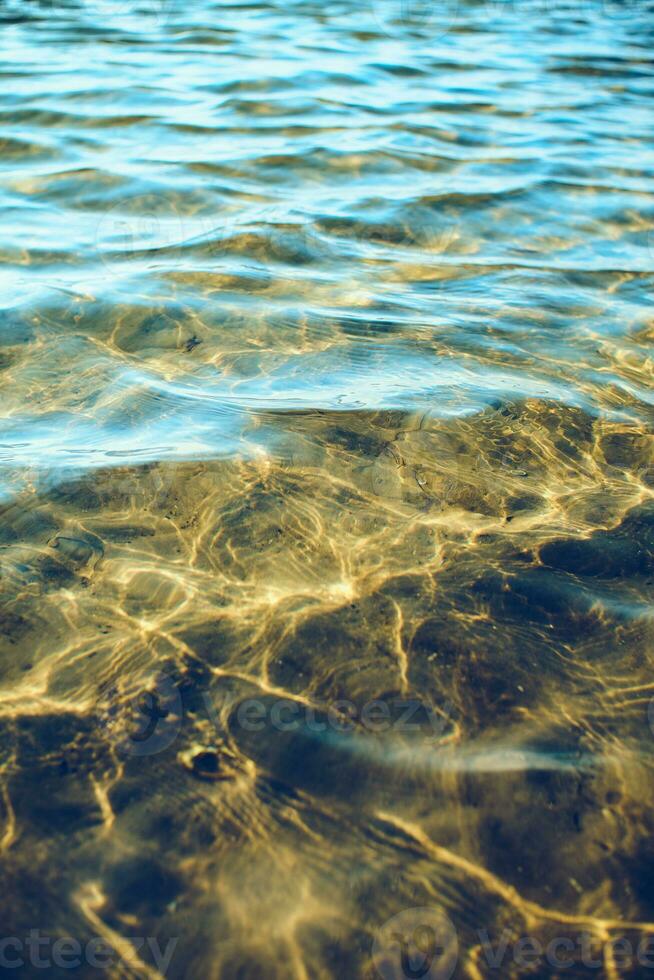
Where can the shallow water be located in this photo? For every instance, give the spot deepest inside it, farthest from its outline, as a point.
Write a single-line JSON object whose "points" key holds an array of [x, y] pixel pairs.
{"points": [[327, 477]]}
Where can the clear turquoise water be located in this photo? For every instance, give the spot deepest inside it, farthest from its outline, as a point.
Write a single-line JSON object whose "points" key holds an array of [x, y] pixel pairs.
{"points": [[326, 376]]}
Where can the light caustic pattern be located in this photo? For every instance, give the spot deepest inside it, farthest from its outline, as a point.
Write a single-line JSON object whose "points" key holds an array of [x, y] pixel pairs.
{"points": [[326, 382]]}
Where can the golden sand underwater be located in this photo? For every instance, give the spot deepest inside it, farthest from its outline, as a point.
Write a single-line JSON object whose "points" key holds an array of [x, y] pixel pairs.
{"points": [[327, 491]]}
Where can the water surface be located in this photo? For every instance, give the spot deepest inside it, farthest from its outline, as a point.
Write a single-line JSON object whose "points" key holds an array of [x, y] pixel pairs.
{"points": [[326, 475]]}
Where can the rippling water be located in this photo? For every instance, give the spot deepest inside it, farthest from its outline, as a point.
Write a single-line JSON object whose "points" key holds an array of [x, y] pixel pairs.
{"points": [[326, 475]]}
